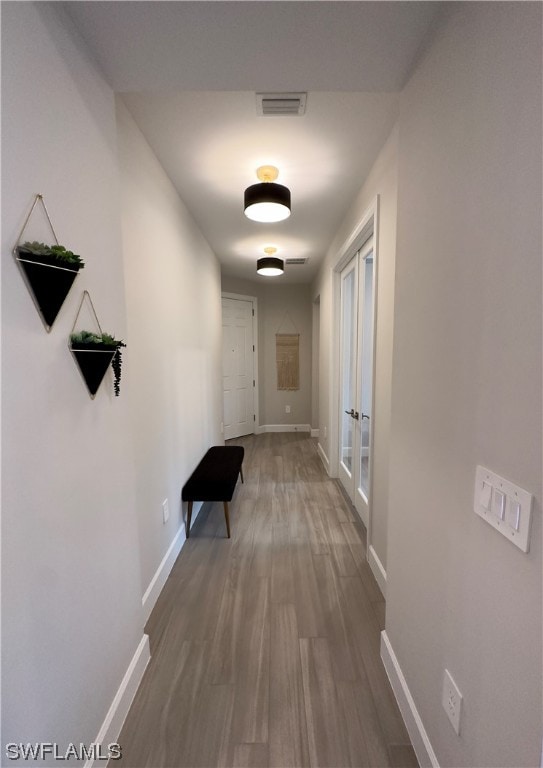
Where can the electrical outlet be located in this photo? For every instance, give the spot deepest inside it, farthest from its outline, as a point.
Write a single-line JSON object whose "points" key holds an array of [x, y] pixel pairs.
{"points": [[287, 408], [452, 701], [165, 511]]}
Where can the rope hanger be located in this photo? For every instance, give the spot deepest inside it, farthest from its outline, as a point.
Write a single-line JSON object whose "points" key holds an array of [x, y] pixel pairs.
{"points": [[86, 295], [37, 199], [280, 330]]}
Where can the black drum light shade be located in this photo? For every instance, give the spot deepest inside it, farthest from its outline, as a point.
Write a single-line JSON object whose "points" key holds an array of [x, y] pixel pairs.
{"points": [[267, 202], [270, 266]]}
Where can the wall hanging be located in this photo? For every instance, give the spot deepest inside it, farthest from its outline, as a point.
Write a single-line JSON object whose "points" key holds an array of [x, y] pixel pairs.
{"points": [[95, 351], [48, 270], [287, 357]]}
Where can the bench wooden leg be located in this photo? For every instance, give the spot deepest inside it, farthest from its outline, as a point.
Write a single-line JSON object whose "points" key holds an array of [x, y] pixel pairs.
{"points": [[189, 515], [227, 518], [241, 474]]}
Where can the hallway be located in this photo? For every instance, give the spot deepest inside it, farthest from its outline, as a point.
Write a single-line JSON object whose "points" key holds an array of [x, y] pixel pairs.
{"points": [[265, 647]]}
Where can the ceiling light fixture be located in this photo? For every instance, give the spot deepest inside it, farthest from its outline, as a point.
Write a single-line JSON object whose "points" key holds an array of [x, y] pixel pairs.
{"points": [[270, 266], [267, 201]]}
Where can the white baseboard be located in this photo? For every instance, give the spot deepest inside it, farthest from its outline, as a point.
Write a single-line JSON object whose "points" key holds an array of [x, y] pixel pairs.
{"points": [[163, 571], [415, 727], [315, 433], [324, 458], [282, 428], [114, 720], [378, 570]]}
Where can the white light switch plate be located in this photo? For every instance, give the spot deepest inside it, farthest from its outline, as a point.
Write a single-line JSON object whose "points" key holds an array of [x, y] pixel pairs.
{"points": [[513, 496]]}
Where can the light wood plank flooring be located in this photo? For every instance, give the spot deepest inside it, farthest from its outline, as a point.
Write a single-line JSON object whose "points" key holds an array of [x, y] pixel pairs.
{"points": [[265, 647]]}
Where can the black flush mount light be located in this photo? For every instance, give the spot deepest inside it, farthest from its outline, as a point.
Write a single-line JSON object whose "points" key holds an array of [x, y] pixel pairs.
{"points": [[267, 201], [270, 266]]}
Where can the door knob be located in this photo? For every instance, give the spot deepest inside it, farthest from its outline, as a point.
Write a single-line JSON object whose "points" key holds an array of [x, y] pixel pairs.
{"points": [[354, 414]]}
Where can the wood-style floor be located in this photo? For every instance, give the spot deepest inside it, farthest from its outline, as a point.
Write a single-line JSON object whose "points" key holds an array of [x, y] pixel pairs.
{"points": [[265, 646]]}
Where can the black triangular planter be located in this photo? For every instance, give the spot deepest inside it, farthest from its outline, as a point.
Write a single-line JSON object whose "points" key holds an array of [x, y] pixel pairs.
{"points": [[49, 287], [93, 365]]}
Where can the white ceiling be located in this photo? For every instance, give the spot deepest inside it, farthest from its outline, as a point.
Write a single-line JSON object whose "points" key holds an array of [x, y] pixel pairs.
{"points": [[188, 73]]}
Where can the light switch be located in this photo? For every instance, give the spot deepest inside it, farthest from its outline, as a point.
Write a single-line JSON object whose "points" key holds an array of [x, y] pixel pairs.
{"points": [[486, 493], [504, 506], [513, 514], [498, 504]]}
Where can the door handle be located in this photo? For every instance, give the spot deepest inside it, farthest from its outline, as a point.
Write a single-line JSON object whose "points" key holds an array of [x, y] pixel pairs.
{"points": [[354, 414], [365, 416], [350, 413]]}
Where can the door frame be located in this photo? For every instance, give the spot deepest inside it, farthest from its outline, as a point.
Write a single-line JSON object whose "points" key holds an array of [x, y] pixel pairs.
{"points": [[254, 301], [366, 227]]}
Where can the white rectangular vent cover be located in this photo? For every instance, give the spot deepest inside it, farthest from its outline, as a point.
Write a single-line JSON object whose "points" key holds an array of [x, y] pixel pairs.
{"points": [[280, 104], [297, 261]]}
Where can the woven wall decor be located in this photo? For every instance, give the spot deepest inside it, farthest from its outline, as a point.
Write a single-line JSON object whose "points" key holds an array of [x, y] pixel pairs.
{"points": [[287, 355]]}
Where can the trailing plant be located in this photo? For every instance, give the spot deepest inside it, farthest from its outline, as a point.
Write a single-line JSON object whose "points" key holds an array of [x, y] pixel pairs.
{"points": [[51, 254], [104, 342]]}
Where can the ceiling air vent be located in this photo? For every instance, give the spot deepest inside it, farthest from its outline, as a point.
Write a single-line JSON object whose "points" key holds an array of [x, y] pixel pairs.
{"points": [[297, 261], [280, 104]]}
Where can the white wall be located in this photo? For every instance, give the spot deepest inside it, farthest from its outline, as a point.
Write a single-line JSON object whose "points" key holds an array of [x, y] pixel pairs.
{"points": [[467, 382], [382, 181], [71, 596], [174, 321], [84, 481], [284, 309]]}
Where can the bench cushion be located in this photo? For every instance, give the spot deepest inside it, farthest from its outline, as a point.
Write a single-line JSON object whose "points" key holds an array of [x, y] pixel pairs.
{"points": [[215, 477]]}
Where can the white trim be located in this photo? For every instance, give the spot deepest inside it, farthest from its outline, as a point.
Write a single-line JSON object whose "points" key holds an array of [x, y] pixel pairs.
{"points": [[256, 402], [363, 230], [378, 570], [162, 572], [367, 227], [315, 432], [361, 511], [415, 727], [114, 720], [282, 428], [324, 458], [375, 299]]}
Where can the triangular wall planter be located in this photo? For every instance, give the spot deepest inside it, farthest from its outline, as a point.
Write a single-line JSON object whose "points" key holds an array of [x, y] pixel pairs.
{"points": [[48, 286], [95, 351], [93, 365], [47, 278]]}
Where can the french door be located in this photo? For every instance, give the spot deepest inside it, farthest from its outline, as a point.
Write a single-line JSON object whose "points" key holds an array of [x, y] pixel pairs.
{"points": [[357, 302]]}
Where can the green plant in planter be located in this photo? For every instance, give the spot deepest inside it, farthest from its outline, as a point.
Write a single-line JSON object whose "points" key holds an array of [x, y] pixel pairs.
{"points": [[53, 255], [101, 342]]}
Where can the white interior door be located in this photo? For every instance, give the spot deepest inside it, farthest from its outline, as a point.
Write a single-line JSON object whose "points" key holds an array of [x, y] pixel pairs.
{"points": [[364, 380], [347, 383], [238, 367], [357, 302]]}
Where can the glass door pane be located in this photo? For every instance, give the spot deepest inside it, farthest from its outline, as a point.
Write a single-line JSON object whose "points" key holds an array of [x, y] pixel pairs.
{"points": [[366, 371], [348, 363]]}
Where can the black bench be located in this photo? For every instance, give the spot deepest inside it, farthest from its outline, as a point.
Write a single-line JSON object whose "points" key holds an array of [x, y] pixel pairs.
{"points": [[214, 479]]}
